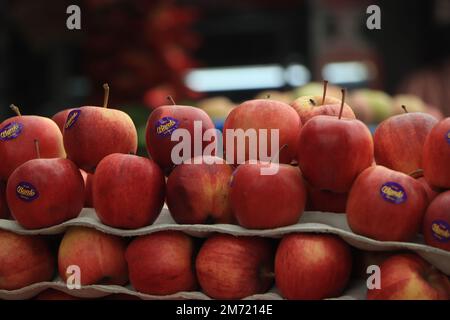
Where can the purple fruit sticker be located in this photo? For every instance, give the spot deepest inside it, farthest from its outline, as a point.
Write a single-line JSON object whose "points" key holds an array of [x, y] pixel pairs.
{"points": [[393, 192]]}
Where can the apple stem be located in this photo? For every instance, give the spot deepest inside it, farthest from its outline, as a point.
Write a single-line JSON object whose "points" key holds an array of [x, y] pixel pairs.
{"points": [[15, 109], [279, 151], [416, 174], [36, 145], [342, 103], [325, 85], [312, 102], [404, 108], [171, 100], [106, 95]]}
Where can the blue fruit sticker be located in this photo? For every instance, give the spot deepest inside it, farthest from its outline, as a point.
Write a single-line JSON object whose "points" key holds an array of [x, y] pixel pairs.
{"points": [[72, 117], [440, 230], [165, 126], [26, 191], [447, 136], [11, 131], [393, 192]]}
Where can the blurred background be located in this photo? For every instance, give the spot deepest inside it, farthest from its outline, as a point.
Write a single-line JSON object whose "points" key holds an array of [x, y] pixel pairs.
{"points": [[214, 54]]}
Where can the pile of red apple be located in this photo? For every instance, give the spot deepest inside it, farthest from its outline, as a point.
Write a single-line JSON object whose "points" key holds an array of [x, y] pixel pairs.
{"points": [[393, 186]]}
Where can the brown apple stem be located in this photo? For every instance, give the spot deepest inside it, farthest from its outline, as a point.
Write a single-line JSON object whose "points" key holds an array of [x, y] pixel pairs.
{"points": [[171, 100], [279, 151], [312, 102], [416, 174], [106, 96], [36, 145], [404, 108], [15, 109], [325, 85], [342, 103]]}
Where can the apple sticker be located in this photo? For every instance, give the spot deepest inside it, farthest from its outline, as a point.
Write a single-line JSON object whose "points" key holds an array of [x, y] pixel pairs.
{"points": [[166, 125], [26, 191], [393, 192], [11, 131], [72, 117], [440, 230]]}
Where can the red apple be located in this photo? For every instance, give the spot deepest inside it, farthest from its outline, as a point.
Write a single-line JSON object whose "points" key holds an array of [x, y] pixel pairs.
{"points": [[333, 151], [399, 141], [312, 266], [4, 210], [24, 260], [436, 223], [230, 267], [16, 141], [261, 114], [161, 124], [92, 133], [386, 205], [311, 106], [198, 191], [60, 118], [162, 263], [436, 155], [326, 201], [267, 201], [100, 256], [45, 192], [88, 179], [409, 277], [128, 191]]}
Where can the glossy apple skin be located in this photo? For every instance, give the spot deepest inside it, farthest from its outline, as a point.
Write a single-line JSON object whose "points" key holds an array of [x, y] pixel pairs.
{"points": [[312, 266], [88, 179], [311, 106], [431, 193], [267, 201], [436, 223], [60, 118], [128, 191], [19, 150], [399, 141], [96, 133], [409, 277], [332, 152], [199, 193], [100, 256], [4, 210], [264, 114], [162, 263], [160, 147], [24, 260], [436, 155], [371, 215], [230, 267], [60, 190], [326, 201]]}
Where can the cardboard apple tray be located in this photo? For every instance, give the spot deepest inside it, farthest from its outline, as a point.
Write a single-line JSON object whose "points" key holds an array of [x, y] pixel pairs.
{"points": [[318, 222]]}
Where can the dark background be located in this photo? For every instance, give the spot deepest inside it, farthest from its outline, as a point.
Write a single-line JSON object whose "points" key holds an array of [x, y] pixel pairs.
{"points": [[137, 46]]}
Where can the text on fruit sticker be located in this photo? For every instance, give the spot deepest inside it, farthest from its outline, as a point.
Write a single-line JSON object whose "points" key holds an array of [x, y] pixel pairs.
{"points": [[448, 137], [11, 131], [72, 117], [165, 126], [393, 192], [440, 230], [26, 191]]}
